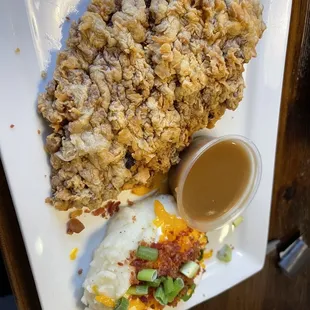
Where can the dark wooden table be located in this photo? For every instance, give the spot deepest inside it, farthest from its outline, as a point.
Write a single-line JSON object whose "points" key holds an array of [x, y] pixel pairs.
{"points": [[269, 289]]}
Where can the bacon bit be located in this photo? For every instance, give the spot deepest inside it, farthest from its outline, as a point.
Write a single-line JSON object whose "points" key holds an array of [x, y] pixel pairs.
{"points": [[39, 131], [75, 213], [12, 126], [98, 211], [133, 279], [108, 210], [130, 203], [68, 18], [134, 218], [80, 271], [112, 207], [48, 200], [120, 264], [86, 211], [144, 299], [74, 226]]}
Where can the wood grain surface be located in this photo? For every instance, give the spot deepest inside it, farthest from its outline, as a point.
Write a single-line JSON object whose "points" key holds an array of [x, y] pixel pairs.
{"points": [[269, 289]]}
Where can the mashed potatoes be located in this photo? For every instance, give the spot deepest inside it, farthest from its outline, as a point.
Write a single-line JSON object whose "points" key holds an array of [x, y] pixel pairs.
{"points": [[114, 267]]}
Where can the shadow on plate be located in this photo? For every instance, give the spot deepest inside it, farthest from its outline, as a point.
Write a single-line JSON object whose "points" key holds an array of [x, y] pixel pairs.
{"points": [[83, 260]]}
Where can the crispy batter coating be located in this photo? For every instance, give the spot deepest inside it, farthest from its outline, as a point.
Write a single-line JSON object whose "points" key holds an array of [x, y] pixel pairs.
{"points": [[136, 80]]}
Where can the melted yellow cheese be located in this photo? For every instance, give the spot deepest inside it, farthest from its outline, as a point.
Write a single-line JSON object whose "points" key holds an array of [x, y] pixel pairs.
{"points": [[156, 184], [208, 254], [136, 304], [141, 190], [73, 253], [170, 224], [105, 300]]}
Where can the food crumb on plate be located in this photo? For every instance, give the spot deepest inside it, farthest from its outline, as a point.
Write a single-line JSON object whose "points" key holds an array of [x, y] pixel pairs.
{"points": [[39, 131], [80, 271], [48, 200], [130, 203], [12, 126], [74, 226], [43, 75], [73, 253], [68, 18], [17, 50], [75, 213], [112, 207], [98, 211]]}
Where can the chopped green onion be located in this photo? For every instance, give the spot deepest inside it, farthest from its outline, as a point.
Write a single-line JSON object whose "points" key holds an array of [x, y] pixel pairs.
{"points": [[178, 286], [138, 290], [155, 283], [201, 255], [160, 296], [189, 293], [147, 253], [148, 275], [224, 254], [122, 304], [238, 221], [168, 286], [190, 269]]}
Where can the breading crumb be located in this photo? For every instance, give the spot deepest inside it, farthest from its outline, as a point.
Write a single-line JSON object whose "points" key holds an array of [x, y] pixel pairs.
{"points": [[74, 226], [130, 203], [12, 126], [133, 85], [49, 200], [39, 131], [75, 213], [43, 75], [17, 50], [99, 211]]}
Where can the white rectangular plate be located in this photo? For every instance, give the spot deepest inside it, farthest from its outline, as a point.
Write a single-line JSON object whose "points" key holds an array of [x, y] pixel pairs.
{"points": [[39, 29]]}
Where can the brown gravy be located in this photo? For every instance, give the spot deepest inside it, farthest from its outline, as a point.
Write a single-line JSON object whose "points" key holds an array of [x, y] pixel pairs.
{"points": [[217, 180]]}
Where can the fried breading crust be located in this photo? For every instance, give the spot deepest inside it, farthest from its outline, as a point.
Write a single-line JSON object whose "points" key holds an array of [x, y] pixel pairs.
{"points": [[136, 80]]}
